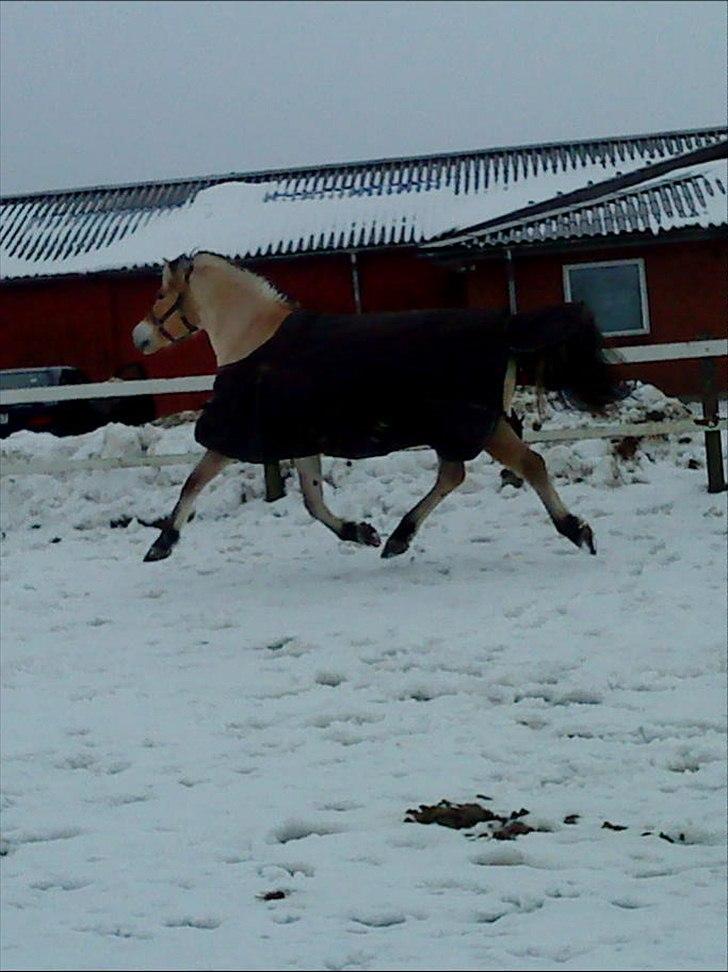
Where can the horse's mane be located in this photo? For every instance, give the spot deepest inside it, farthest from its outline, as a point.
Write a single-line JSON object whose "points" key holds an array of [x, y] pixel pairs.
{"points": [[263, 287]]}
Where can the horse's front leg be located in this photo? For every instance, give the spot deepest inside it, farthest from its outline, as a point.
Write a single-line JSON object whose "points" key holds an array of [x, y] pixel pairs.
{"points": [[309, 475], [206, 469], [449, 476]]}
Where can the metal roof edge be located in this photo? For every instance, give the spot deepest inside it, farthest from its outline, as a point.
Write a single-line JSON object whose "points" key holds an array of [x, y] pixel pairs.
{"points": [[636, 238], [570, 200], [252, 259], [259, 175]]}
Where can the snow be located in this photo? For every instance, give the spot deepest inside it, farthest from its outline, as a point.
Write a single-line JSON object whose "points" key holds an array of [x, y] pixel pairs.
{"points": [[658, 211], [238, 218], [258, 713]]}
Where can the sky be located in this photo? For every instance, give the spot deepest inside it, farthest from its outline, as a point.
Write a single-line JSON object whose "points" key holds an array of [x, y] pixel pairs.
{"points": [[100, 93]]}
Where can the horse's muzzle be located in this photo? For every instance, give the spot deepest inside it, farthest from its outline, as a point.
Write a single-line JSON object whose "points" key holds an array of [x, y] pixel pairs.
{"points": [[143, 337]]}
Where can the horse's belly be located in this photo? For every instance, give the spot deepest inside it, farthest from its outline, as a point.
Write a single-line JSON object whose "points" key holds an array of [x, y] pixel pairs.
{"points": [[457, 431]]}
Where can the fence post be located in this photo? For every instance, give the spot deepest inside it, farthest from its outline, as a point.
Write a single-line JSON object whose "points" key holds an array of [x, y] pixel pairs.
{"points": [[274, 488], [713, 450]]}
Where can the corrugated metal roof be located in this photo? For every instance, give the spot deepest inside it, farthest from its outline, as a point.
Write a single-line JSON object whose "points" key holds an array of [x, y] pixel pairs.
{"points": [[694, 196], [384, 202]]}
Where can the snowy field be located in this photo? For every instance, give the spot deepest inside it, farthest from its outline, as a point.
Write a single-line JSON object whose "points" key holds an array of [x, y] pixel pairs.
{"points": [[208, 761]]}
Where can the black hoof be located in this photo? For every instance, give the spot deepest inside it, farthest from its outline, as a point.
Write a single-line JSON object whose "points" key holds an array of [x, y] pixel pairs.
{"points": [[579, 532], [363, 533], [509, 478], [367, 535], [162, 546], [394, 547], [399, 541]]}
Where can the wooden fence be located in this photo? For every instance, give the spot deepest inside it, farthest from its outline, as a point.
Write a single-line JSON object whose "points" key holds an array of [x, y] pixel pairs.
{"points": [[710, 424]]}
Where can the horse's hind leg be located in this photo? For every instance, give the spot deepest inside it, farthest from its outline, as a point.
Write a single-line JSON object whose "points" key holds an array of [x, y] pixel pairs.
{"points": [[309, 475], [206, 469], [449, 476], [505, 447]]}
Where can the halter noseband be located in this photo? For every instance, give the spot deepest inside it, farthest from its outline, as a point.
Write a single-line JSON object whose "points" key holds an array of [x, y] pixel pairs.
{"points": [[176, 308]]}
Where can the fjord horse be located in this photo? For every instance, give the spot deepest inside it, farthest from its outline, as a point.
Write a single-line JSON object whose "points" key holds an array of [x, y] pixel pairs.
{"points": [[438, 378]]}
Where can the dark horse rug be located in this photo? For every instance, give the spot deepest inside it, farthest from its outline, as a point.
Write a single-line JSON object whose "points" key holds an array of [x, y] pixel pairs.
{"points": [[366, 385]]}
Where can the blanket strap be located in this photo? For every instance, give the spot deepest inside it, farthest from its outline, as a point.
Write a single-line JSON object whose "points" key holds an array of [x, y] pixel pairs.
{"points": [[509, 385]]}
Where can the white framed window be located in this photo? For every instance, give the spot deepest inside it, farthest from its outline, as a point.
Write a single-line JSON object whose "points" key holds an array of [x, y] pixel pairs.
{"points": [[614, 290]]}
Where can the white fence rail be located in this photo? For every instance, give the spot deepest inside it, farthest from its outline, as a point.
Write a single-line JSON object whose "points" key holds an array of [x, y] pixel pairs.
{"points": [[639, 353], [50, 467], [621, 431], [201, 383], [106, 389]]}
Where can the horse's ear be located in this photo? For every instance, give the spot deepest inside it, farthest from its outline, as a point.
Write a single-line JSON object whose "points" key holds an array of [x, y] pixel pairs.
{"points": [[184, 265], [176, 272]]}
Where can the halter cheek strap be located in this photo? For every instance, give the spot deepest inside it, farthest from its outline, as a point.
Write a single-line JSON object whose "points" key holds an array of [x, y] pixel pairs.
{"points": [[176, 308]]}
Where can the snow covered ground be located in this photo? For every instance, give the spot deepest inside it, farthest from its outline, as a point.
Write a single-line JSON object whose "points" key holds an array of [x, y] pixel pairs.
{"points": [[254, 717]]}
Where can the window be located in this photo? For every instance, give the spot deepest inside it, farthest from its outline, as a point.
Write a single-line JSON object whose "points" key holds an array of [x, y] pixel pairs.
{"points": [[614, 290]]}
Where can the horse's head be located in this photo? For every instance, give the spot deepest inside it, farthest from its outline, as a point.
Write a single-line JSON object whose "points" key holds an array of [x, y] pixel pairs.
{"points": [[173, 316]]}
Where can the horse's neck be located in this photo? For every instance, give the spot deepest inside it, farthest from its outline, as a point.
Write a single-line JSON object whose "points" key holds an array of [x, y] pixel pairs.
{"points": [[236, 337], [239, 313]]}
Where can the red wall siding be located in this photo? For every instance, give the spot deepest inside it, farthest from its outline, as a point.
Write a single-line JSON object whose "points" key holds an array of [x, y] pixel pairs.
{"points": [[57, 322], [401, 281], [318, 283], [87, 321], [687, 294]]}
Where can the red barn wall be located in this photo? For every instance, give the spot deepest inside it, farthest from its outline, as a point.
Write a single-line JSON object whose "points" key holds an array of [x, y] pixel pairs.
{"points": [[87, 321], [403, 281], [687, 295], [57, 322]]}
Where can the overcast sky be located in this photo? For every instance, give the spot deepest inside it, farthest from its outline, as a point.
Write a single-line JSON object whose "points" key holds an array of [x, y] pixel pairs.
{"points": [[108, 92]]}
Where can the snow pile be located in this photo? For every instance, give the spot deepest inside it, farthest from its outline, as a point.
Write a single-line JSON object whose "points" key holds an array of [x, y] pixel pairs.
{"points": [[87, 499]]}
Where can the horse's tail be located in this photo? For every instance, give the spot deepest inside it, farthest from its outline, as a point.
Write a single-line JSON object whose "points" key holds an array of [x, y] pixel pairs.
{"points": [[561, 349]]}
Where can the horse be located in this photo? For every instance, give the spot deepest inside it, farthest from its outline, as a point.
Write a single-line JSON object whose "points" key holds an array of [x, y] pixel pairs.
{"points": [[294, 384]]}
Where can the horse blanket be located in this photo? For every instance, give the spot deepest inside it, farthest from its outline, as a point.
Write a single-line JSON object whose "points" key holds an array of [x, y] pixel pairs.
{"points": [[362, 385]]}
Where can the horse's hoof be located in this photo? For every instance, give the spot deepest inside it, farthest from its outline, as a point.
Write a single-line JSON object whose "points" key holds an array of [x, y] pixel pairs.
{"points": [[394, 547], [157, 553], [587, 538], [163, 545], [509, 478], [367, 535], [399, 539], [363, 533], [579, 532]]}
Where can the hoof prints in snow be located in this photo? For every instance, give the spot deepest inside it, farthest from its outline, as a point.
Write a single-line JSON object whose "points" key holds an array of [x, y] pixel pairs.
{"points": [[40, 836], [300, 829], [500, 857], [205, 922], [116, 931], [330, 679], [380, 919], [59, 884]]}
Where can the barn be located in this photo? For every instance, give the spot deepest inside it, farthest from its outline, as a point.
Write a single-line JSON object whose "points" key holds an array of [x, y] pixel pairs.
{"points": [[634, 225]]}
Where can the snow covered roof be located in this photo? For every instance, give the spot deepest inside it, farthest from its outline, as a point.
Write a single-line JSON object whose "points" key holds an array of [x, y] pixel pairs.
{"points": [[352, 206], [690, 196]]}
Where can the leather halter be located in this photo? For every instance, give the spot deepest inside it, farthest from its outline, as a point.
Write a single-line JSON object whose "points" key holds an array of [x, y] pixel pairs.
{"points": [[176, 308]]}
